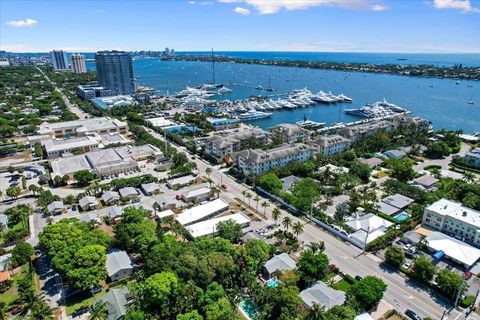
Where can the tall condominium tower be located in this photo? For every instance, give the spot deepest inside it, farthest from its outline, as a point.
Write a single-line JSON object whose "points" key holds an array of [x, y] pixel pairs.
{"points": [[59, 60], [115, 72], [78, 63]]}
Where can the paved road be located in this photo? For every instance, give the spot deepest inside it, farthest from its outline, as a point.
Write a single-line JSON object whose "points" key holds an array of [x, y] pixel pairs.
{"points": [[402, 293], [72, 107]]}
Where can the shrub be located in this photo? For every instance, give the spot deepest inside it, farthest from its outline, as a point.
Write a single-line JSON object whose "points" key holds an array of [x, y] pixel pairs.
{"points": [[467, 301]]}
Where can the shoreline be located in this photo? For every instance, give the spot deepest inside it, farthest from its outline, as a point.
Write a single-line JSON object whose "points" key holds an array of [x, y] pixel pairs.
{"points": [[421, 71]]}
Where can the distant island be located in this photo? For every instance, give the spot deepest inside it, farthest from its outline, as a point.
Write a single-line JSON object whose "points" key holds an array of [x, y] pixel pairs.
{"points": [[429, 71]]}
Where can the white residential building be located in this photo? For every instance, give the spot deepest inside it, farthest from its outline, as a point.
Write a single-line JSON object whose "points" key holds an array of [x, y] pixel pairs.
{"points": [[78, 63], [289, 133], [82, 127], [208, 228], [257, 161], [331, 144], [202, 212], [454, 219]]}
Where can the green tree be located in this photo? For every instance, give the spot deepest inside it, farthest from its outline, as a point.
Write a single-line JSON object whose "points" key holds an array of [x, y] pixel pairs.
{"points": [[437, 150], [369, 291], [84, 177], [287, 222], [24, 183], [34, 188], [21, 253], [448, 282], [41, 311], [13, 192], [265, 205], [276, 214], [312, 265], [157, 293], [297, 228], [179, 159], [394, 256], [424, 269], [401, 169], [230, 230], [221, 310], [270, 182], [89, 267], [98, 311], [361, 170], [192, 315], [257, 199]]}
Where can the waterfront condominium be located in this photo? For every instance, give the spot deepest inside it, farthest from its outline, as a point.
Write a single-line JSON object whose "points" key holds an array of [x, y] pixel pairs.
{"points": [[78, 63], [115, 72], [59, 60]]}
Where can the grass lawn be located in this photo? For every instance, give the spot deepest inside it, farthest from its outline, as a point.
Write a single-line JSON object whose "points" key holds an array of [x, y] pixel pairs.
{"points": [[82, 300], [342, 285], [380, 174], [11, 295]]}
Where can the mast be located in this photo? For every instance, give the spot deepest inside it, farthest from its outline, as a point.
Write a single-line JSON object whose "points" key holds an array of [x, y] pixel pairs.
{"points": [[213, 68]]}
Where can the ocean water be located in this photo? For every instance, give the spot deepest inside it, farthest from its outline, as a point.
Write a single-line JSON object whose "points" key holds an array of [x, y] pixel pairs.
{"points": [[441, 101]]}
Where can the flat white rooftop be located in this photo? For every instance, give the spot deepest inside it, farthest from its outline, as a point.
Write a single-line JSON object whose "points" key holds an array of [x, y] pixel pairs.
{"points": [[456, 210], [209, 227], [165, 213], [202, 212], [453, 248], [161, 122]]}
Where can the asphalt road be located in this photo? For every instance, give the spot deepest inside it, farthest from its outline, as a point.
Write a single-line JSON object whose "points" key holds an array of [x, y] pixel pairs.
{"points": [[402, 293]]}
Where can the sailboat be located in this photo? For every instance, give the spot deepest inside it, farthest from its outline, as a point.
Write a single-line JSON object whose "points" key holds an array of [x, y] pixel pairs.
{"points": [[269, 88], [471, 100], [309, 124]]}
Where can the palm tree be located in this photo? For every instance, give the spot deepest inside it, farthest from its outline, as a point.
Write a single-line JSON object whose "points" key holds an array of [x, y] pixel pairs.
{"points": [[276, 215], [249, 196], [265, 205], [317, 313], [297, 228], [244, 194], [216, 191], [98, 311], [208, 171], [41, 311], [256, 198], [468, 176], [287, 222]]}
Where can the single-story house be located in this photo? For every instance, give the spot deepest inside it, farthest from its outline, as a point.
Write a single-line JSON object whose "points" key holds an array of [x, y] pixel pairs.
{"points": [[180, 182], [89, 217], [332, 168], [361, 238], [197, 195], [323, 295], [369, 222], [3, 222], [208, 228], [88, 203], [115, 213], [395, 204], [56, 207], [288, 182], [395, 154], [411, 237], [455, 250], [426, 182], [150, 188], [129, 193], [119, 265], [117, 301], [164, 214], [165, 202], [281, 262], [5, 263], [202, 212], [371, 162], [110, 197]]}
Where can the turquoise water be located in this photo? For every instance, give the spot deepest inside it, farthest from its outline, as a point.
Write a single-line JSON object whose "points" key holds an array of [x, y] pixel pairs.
{"points": [[249, 307], [441, 101], [272, 283], [402, 216]]}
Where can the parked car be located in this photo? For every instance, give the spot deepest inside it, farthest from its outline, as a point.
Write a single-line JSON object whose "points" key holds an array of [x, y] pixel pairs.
{"points": [[79, 312], [412, 315], [407, 247], [224, 186], [17, 310], [358, 278], [408, 265], [467, 275]]}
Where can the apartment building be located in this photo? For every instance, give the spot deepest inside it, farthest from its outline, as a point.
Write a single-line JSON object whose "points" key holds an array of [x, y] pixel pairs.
{"points": [[454, 219], [331, 144], [82, 127], [288, 133], [257, 161]]}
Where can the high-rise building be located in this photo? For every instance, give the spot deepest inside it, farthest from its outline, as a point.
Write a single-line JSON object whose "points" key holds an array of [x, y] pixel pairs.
{"points": [[78, 63], [59, 60], [115, 72]]}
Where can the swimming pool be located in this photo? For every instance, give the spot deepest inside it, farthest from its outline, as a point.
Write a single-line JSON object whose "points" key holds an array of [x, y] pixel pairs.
{"points": [[272, 283], [402, 216], [249, 308]]}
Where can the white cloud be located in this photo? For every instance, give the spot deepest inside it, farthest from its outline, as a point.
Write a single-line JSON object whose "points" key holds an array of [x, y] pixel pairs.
{"points": [[242, 11], [27, 23], [274, 6], [464, 5]]}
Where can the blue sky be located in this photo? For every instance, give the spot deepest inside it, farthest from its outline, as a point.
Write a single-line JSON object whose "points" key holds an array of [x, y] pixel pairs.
{"points": [[242, 25]]}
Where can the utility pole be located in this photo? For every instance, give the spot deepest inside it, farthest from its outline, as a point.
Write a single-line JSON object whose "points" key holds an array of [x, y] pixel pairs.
{"points": [[459, 292], [366, 239]]}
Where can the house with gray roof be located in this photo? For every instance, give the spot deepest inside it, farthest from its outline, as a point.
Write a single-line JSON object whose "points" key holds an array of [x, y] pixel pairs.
{"points": [[180, 182], [110, 197], [115, 213], [56, 207], [288, 182], [426, 182], [117, 301], [330, 144], [119, 265], [395, 204], [167, 201], [281, 262], [129, 193], [150, 188], [5, 263], [3, 222], [395, 154], [197, 194], [323, 295], [289, 133], [88, 203], [89, 217]]}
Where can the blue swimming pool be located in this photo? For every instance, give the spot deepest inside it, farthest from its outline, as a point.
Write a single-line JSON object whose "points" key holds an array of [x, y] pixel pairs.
{"points": [[402, 216], [272, 283], [249, 307]]}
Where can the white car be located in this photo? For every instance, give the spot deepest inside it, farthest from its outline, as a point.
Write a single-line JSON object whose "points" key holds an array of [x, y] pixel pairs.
{"points": [[407, 247], [408, 265]]}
